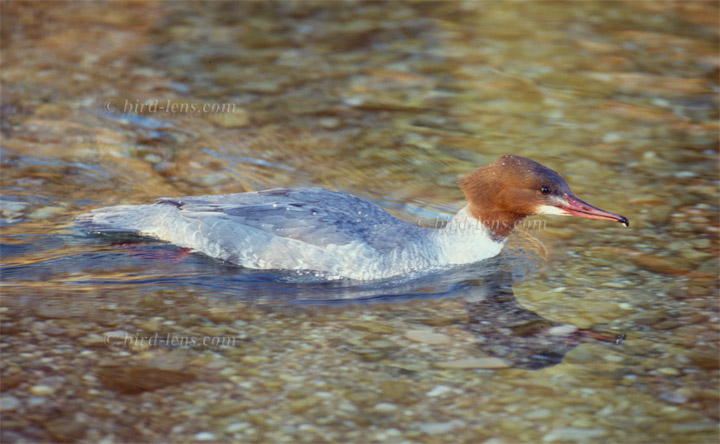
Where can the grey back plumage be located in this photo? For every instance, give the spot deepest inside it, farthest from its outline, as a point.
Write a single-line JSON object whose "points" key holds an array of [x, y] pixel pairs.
{"points": [[284, 228], [315, 216]]}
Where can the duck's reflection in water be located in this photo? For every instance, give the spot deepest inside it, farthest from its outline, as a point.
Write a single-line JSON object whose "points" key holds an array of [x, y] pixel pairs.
{"points": [[519, 336], [504, 329]]}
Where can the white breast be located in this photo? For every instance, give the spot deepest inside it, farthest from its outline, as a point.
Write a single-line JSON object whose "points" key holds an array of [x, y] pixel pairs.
{"points": [[465, 240]]}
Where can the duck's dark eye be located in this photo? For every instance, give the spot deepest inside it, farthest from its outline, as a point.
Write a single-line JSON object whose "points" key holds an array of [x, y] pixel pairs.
{"points": [[545, 190]]}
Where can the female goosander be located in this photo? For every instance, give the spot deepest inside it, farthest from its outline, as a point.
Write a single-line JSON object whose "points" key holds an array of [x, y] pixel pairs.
{"points": [[343, 236]]}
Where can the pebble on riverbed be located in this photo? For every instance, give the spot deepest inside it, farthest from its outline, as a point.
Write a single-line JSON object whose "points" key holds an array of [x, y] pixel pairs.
{"points": [[427, 337], [8, 403], [470, 363]]}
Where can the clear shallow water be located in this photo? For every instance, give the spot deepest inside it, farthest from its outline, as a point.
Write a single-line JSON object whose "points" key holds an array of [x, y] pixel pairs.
{"points": [[391, 103]]}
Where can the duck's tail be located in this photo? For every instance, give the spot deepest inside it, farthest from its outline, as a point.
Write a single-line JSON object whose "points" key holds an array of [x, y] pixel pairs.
{"points": [[141, 219]]}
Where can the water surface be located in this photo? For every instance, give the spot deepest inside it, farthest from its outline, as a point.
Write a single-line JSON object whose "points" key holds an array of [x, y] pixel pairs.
{"points": [[104, 106]]}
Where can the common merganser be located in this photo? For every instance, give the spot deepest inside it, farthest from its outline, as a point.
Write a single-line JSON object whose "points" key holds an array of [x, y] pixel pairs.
{"points": [[343, 236]]}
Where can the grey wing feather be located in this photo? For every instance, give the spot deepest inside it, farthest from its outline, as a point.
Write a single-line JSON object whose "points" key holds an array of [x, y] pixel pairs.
{"points": [[311, 215]]}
